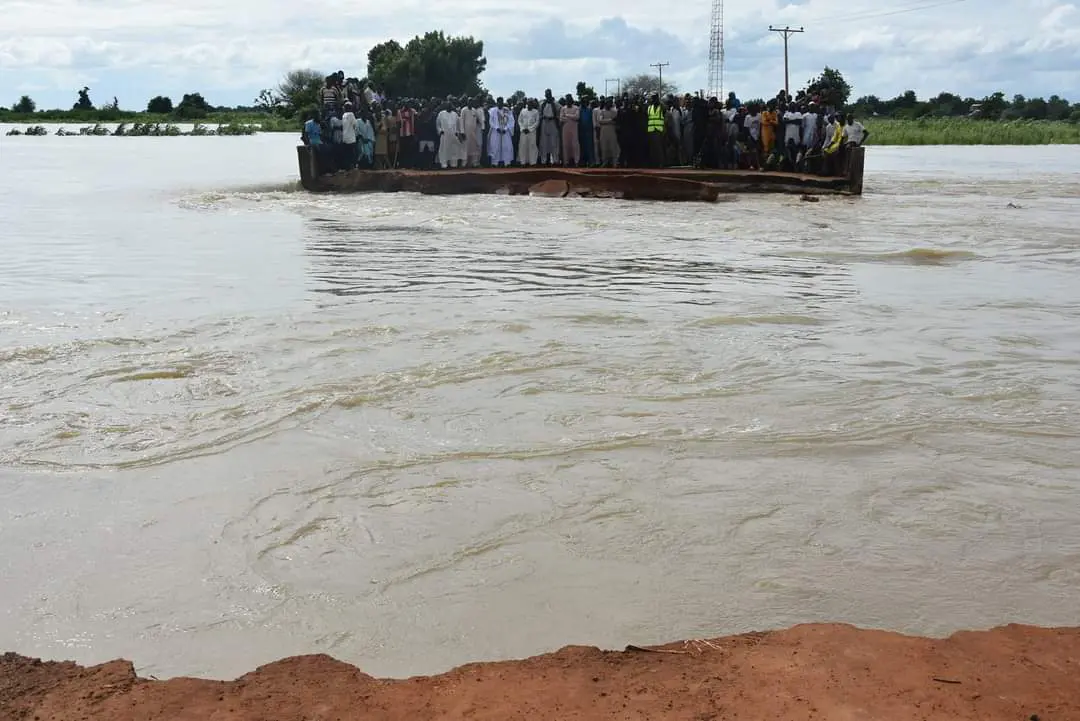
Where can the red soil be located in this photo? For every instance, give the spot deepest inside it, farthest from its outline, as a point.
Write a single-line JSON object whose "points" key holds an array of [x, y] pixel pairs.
{"points": [[833, 672]]}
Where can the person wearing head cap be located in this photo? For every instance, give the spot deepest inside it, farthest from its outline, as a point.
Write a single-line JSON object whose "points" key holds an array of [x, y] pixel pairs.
{"points": [[529, 122], [349, 126], [569, 117], [686, 130], [548, 136], [500, 140], [446, 122], [472, 123]]}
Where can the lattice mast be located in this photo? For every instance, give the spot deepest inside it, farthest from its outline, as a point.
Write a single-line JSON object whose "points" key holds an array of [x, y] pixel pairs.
{"points": [[716, 51]]}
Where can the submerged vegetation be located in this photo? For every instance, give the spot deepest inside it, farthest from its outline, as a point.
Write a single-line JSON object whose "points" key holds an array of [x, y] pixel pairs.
{"points": [[153, 130], [883, 131], [968, 131]]}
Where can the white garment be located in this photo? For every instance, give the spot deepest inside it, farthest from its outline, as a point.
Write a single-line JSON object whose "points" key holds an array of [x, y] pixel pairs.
{"points": [[829, 130], [447, 123], [348, 128], [501, 144], [809, 129], [472, 123], [753, 124], [792, 131], [854, 132], [528, 150]]}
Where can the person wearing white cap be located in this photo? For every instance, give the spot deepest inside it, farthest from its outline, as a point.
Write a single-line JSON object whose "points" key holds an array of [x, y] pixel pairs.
{"points": [[448, 124], [501, 137], [529, 122]]}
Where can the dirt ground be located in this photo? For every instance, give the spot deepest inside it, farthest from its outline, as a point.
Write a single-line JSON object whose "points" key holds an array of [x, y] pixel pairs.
{"points": [[833, 672]]}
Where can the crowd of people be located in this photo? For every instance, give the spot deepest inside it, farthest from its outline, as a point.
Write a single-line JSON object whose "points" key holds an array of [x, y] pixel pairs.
{"points": [[356, 127]]}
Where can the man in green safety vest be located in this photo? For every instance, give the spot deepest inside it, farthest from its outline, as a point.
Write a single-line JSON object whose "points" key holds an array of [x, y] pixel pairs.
{"points": [[655, 131]]}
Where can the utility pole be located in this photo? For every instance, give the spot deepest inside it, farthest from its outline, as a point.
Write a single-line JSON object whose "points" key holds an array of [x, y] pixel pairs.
{"points": [[660, 69], [618, 86], [786, 32]]}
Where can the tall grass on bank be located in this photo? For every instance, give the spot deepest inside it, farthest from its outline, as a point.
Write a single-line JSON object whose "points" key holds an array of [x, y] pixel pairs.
{"points": [[965, 131]]}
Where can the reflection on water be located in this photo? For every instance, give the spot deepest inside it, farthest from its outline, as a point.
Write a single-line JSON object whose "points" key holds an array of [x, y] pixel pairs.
{"points": [[392, 427]]}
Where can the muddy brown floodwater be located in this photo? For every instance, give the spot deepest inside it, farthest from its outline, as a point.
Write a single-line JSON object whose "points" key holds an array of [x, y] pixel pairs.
{"points": [[240, 422]]}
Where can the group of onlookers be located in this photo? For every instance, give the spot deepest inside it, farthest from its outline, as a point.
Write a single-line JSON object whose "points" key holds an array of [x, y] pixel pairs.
{"points": [[357, 127]]}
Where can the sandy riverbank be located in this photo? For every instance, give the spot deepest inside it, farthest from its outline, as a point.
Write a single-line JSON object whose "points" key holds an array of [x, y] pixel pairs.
{"points": [[832, 672]]}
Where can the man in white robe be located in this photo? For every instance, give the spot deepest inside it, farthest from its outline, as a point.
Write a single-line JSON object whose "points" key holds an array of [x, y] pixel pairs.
{"points": [[501, 138], [528, 122], [460, 151], [472, 121], [446, 123]]}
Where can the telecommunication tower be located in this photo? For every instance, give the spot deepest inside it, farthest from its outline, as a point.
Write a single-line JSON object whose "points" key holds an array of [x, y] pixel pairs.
{"points": [[716, 51]]}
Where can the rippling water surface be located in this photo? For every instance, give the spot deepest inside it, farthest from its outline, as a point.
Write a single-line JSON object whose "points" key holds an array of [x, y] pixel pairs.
{"points": [[238, 421]]}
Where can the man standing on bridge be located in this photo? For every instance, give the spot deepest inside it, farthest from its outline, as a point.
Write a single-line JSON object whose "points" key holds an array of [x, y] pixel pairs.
{"points": [[500, 140], [657, 120], [528, 122], [548, 140], [472, 119]]}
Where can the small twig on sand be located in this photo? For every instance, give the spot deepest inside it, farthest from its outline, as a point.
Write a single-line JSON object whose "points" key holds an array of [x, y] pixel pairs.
{"points": [[946, 680]]}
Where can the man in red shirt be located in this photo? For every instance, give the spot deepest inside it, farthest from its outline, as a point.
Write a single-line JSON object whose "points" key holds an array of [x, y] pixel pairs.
{"points": [[407, 135]]}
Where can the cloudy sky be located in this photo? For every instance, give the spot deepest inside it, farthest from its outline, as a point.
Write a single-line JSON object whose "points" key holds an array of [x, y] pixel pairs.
{"points": [[134, 49]]}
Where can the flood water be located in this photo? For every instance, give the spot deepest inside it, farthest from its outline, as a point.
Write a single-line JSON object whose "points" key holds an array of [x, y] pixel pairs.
{"points": [[238, 421]]}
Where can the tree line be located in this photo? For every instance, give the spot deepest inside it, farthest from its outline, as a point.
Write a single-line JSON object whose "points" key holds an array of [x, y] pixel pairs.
{"points": [[907, 106], [192, 106], [437, 65]]}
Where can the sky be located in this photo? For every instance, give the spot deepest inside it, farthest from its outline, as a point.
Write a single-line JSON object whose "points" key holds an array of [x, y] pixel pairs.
{"points": [[136, 49]]}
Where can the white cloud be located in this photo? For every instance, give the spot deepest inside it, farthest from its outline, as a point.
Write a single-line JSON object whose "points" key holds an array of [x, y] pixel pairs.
{"points": [[228, 51]]}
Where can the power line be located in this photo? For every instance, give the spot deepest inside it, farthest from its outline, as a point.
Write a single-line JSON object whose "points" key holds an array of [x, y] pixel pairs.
{"points": [[875, 14]]}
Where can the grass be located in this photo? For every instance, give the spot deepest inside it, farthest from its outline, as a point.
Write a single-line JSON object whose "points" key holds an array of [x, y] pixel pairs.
{"points": [[965, 131]]}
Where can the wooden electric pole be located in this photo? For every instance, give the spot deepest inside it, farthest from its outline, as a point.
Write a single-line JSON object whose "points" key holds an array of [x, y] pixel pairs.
{"points": [[786, 32], [660, 70]]}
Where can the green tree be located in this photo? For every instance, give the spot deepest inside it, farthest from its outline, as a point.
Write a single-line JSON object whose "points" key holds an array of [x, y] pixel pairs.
{"points": [[1035, 109], [947, 105], [1057, 108], [192, 106], [159, 105], [26, 105], [585, 93], [646, 84], [381, 61], [430, 65], [518, 96], [992, 106], [867, 105], [831, 87], [83, 103], [299, 90]]}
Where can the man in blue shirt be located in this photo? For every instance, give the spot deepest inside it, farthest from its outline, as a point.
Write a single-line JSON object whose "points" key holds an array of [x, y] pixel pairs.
{"points": [[312, 134]]}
